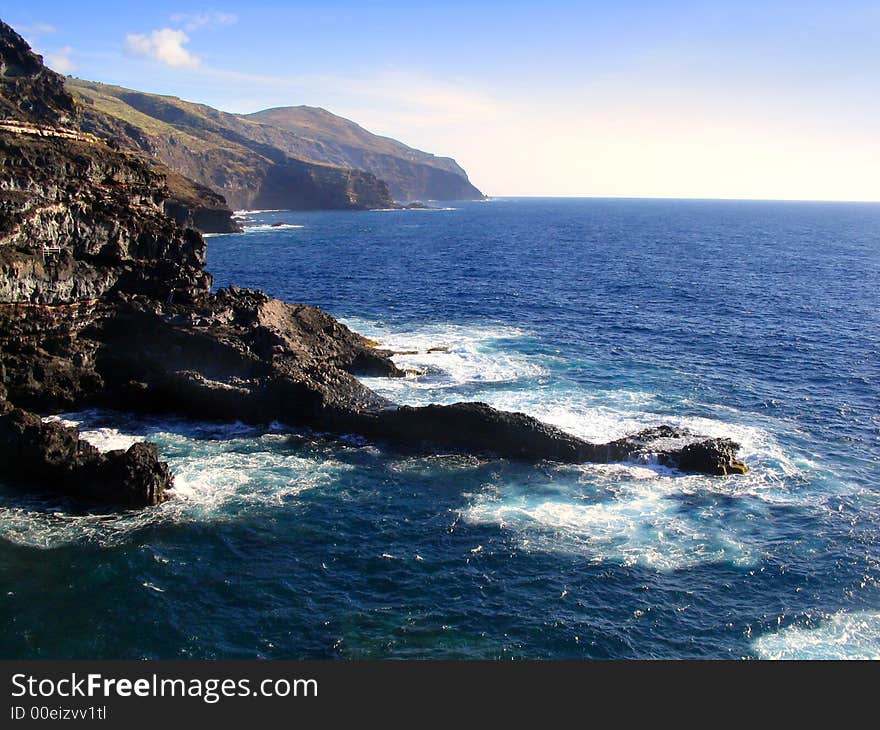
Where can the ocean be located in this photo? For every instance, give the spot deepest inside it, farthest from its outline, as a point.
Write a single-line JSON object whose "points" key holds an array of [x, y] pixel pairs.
{"points": [[753, 320]]}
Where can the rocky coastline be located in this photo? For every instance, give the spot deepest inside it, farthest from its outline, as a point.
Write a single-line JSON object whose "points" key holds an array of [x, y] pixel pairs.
{"points": [[104, 301]]}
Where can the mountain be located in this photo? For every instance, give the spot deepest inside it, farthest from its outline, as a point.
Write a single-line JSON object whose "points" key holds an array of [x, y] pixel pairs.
{"points": [[223, 152], [294, 157], [411, 174]]}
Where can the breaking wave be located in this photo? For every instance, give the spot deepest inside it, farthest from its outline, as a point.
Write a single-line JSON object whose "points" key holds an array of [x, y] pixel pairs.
{"points": [[838, 636]]}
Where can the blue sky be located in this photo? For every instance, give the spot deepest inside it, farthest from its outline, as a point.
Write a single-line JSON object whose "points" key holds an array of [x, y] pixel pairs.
{"points": [[671, 99]]}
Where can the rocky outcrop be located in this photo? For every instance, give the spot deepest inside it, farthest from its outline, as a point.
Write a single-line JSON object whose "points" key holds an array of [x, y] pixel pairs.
{"points": [[264, 360], [53, 457], [239, 352], [479, 428], [192, 205], [104, 301], [678, 448]]}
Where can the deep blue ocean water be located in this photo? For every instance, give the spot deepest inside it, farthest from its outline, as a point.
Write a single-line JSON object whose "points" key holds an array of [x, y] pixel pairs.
{"points": [[757, 321]]}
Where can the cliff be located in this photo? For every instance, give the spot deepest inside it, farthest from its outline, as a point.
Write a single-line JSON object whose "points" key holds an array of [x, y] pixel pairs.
{"points": [[410, 173], [31, 92], [104, 301], [228, 152], [224, 152]]}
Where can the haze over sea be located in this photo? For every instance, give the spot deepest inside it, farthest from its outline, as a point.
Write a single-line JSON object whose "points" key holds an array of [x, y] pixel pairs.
{"points": [[753, 320]]}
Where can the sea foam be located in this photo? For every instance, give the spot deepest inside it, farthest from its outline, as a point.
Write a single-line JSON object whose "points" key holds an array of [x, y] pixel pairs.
{"points": [[268, 228], [841, 635], [447, 356]]}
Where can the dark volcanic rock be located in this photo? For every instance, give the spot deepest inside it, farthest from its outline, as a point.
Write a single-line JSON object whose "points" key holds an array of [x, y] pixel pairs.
{"points": [[54, 458], [680, 449], [474, 428], [32, 92], [241, 355], [134, 477], [192, 205], [711, 456], [479, 428], [189, 203]]}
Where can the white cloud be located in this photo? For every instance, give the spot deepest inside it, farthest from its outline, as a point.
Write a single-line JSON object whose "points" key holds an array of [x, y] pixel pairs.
{"points": [[212, 19], [61, 61], [165, 45], [33, 32], [36, 29]]}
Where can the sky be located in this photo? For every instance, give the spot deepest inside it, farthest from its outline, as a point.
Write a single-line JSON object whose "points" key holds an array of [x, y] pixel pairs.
{"points": [[725, 99]]}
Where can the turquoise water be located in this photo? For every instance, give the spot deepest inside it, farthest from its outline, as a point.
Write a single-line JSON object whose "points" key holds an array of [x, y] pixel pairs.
{"points": [[757, 321]]}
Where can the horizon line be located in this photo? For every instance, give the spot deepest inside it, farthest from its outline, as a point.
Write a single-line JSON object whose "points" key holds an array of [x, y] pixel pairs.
{"points": [[690, 198]]}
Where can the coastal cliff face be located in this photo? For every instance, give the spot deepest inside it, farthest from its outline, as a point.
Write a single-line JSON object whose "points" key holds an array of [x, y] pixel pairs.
{"points": [[79, 223], [104, 301], [36, 96], [224, 153], [78, 217], [31, 92], [275, 155], [410, 173]]}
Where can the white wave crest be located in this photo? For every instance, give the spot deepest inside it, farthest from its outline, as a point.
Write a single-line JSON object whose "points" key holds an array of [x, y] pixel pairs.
{"points": [[839, 636], [408, 210], [102, 438], [635, 521], [209, 486], [268, 227], [445, 356]]}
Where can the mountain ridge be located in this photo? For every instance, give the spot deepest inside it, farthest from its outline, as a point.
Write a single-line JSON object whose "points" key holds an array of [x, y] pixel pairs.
{"points": [[351, 144], [211, 148], [241, 155]]}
